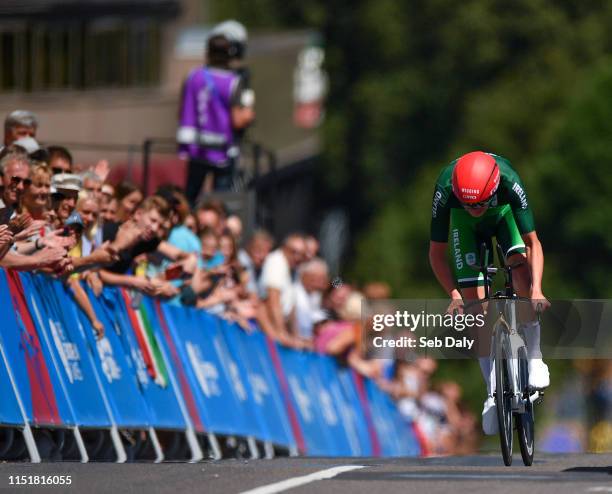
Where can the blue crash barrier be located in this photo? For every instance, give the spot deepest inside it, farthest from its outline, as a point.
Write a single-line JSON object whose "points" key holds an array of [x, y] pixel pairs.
{"points": [[161, 398], [257, 376], [10, 413], [44, 403], [68, 349], [164, 367]]}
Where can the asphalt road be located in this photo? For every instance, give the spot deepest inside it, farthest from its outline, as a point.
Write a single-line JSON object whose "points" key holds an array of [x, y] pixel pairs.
{"points": [[556, 474]]}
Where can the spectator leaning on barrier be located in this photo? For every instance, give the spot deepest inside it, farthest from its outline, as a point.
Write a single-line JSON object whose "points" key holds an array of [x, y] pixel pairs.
{"points": [[128, 197], [148, 224], [18, 124], [92, 184], [19, 227], [233, 223], [210, 257], [108, 191], [239, 307], [253, 256], [91, 238], [180, 236], [227, 247], [65, 188], [313, 280], [15, 179], [211, 214], [277, 288], [108, 209], [148, 218], [212, 108], [312, 247], [74, 227], [60, 160], [36, 197], [191, 223], [88, 240]]}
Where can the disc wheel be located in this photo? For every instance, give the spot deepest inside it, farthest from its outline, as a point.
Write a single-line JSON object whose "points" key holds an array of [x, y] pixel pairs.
{"points": [[503, 399]]}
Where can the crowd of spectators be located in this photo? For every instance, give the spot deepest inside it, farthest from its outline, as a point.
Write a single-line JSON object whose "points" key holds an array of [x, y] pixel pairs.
{"points": [[88, 232]]}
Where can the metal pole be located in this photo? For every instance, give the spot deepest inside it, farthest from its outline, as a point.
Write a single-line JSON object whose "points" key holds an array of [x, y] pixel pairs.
{"points": [[256, 160], [146, 156]]}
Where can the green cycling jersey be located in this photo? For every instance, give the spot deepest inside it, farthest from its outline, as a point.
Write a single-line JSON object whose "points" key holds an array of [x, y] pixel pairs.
{"points": [[510, 192], [507, 217]]}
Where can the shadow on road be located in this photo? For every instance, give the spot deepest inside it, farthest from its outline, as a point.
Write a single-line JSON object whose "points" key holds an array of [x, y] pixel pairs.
{"points": [[607, 470]]}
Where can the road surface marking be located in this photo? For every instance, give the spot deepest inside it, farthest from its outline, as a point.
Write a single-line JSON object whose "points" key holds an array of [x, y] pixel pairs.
{"points": [[305, 479], [599, 489]]}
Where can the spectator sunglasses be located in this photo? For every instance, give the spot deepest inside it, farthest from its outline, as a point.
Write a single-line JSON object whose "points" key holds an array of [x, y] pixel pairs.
{"points": [[17, 180]]}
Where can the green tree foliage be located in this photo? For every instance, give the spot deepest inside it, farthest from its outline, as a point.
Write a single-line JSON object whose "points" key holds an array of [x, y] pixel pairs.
{"points": [[520, 80], [415, 84], [574, 187]]}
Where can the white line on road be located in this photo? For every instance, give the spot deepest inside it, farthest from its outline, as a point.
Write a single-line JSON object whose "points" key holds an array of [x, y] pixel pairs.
{"points": [[305, 479], [600, 488]]}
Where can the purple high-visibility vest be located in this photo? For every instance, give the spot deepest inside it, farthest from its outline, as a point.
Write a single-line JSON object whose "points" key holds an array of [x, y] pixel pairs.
{"points": [[205, 125]]}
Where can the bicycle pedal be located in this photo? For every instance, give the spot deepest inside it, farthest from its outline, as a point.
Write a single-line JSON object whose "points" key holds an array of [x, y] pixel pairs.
{"points": [[538, 399]]}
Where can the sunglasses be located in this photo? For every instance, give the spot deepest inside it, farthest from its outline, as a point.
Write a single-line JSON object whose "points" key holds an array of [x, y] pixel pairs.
{"points": [[17, 180], [296, 252], [57, 171], [477, 205]]}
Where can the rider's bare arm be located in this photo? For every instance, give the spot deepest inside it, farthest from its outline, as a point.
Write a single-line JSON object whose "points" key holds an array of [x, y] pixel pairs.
{"points": [[535, 257], [439, 265]]}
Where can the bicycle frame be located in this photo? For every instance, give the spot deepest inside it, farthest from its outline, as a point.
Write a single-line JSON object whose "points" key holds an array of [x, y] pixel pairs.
{"points": [[506, 329], [506, 326]]}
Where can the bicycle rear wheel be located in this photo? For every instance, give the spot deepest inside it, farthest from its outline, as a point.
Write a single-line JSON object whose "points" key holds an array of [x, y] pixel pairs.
{"points": [[524, 421], [503, 397]]}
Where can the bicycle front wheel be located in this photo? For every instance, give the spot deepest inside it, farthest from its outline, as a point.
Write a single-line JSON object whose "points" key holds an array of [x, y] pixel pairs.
{"points": [[524, 421], [503, 396]]}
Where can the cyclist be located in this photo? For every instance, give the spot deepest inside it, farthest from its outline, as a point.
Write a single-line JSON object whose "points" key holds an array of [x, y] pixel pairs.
{"points": [[480, 196]]}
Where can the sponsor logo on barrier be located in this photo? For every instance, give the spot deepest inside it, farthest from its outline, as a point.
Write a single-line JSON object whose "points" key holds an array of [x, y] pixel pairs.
{"points": [[68, 352], [259, 386], [349, 418], [302, 398], [206, 372], [236, 381], [327, 407], [110, 368], [141, 367], [234, 372]]}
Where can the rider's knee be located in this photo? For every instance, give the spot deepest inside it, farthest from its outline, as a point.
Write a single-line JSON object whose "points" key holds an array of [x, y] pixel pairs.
{"points": [[521, 276]]}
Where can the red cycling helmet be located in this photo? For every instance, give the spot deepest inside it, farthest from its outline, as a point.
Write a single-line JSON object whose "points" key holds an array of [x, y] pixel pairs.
{"points": [[475, 177]]}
